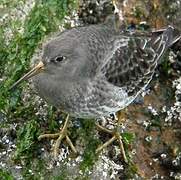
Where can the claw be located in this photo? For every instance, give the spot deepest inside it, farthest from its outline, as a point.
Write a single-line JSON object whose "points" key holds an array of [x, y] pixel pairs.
{"points": [[61, 135], [115, 136]]}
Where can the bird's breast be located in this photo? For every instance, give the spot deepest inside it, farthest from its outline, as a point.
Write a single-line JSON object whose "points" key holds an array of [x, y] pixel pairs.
{"points": [[66, 95], [85, 100]]}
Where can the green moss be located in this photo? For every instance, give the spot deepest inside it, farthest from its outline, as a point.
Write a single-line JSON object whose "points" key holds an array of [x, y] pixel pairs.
{"points": [[156, 122], [26, 139], [44, 18], [52, 115], [128, 138], [82, 178], [4, 175], [89, 156], [87, 132], [130, 170], [34, 169]]}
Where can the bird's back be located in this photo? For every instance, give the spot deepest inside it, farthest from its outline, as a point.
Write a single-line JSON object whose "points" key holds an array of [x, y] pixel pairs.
{"points": [[132, 66], [111, 68], [121, 66], [128, 69]]}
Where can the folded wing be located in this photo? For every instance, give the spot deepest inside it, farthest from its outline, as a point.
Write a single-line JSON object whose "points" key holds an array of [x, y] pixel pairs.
{"points": [[132, 66]]}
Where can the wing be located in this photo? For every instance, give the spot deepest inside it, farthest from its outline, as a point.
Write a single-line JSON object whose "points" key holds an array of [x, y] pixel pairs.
{"points": [[132, 66]]}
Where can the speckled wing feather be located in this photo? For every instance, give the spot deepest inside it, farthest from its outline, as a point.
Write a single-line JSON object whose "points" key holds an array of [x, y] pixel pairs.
{"points": [[133, 65]]}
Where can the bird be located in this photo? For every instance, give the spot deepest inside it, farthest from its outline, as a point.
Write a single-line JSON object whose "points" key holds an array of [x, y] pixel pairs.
{"points": [[95, 70]]}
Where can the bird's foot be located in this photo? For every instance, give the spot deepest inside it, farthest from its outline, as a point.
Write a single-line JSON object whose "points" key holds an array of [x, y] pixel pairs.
{"points": [[115, 136], [60, 136]]}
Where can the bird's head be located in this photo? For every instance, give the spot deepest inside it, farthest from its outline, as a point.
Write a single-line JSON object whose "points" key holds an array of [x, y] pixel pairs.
{"points": [[62, 59]]}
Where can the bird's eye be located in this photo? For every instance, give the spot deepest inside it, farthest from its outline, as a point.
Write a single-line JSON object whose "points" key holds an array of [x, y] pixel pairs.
{"points": [[59, 58]]}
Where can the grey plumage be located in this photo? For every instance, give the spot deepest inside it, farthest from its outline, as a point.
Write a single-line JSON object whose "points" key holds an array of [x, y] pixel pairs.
{"points": [[95, 70]]}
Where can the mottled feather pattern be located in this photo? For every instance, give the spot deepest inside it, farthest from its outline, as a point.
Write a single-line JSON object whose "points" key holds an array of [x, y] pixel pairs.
{"points": [[104, 96], [104, 69], [99, 42], [124, 66], [132, 66]]}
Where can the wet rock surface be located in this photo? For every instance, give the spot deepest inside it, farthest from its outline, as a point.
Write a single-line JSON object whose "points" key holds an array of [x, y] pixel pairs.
{"points": [[151, 130]]}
